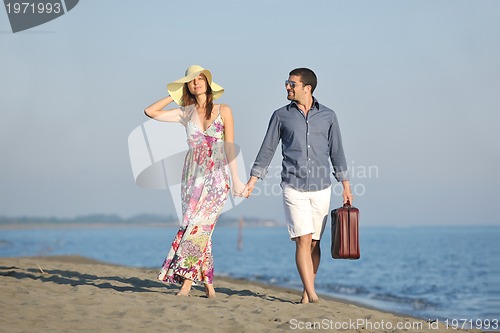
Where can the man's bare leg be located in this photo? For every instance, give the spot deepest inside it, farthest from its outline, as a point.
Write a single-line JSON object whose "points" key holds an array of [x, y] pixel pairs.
{"points": [[316, 256], [303, 259]]}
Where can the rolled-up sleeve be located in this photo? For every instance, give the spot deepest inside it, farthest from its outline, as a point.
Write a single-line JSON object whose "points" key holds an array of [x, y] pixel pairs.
{"points": [[268, 148], [337, 156]]}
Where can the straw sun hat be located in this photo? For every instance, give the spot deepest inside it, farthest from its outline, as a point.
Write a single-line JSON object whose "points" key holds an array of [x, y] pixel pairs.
{"points": [[176, 88]]}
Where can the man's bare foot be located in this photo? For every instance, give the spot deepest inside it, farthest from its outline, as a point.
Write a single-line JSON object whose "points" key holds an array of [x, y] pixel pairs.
{"points": [[305, 298], [209, 291]]}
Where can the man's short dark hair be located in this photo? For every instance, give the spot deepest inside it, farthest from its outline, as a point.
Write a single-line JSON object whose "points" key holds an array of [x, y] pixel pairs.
{"points": [[307, 76]]}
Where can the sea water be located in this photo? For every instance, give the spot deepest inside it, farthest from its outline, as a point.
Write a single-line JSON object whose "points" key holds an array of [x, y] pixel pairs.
{"points": [[425, 272]]}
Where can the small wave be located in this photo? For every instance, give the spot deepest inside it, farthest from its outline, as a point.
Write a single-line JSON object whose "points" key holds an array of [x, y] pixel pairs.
{"points": [[418, 303], [4, 243], [415, 303], [271, 279], [344, 289]]}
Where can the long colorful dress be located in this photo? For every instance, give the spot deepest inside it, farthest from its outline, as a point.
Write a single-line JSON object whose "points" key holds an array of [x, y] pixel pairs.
{"points": [[204, 191]]}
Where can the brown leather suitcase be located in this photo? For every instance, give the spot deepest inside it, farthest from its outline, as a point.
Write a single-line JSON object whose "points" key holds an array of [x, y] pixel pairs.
{"points": [[345, 233]]}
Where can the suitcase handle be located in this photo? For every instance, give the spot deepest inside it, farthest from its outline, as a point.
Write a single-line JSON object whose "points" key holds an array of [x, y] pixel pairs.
{"points": [[347, 204]]}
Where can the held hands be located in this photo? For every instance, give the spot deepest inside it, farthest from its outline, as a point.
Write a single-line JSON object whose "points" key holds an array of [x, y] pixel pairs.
{"points": [[242, 190], [249, 186], [239, 189]]}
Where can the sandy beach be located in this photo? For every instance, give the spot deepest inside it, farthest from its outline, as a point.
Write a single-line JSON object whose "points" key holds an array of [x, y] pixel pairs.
{"points": [[76, 294]]}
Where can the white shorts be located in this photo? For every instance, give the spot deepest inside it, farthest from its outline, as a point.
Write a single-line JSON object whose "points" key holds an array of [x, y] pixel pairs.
{"points": [[306, 212]]}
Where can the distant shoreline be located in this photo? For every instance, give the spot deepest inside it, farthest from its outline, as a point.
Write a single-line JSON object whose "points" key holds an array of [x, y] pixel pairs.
{"points": [[76, 225], [220, 224], [113, 220], [68, 225]]}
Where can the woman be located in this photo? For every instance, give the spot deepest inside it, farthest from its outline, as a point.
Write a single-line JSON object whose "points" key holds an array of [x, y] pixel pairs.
{"points": [[205, 179]]}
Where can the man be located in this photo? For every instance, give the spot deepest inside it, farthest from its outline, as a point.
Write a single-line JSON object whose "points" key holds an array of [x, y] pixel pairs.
{"points": [[310, 137]]}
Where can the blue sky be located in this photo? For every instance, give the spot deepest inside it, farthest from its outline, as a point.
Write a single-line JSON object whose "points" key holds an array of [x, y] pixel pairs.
{"points": [[414, 84]]}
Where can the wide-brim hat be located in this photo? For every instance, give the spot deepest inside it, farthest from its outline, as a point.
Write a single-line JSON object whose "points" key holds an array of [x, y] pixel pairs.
{"points": [[176, 88]]}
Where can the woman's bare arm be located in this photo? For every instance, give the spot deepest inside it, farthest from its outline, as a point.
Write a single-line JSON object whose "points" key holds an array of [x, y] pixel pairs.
{"points": [[156, 111], [230, 148]]}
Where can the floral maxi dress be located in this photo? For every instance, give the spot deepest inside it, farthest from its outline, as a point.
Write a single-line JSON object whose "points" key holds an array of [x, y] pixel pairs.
{"points": [[204, 191]]}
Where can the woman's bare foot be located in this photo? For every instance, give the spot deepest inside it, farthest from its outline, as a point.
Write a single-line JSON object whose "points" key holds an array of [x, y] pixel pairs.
{"points": [[209, 290], [185, 288]]}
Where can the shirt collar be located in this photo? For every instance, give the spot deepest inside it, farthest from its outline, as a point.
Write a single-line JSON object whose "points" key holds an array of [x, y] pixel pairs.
{"points": [[315, 104]]}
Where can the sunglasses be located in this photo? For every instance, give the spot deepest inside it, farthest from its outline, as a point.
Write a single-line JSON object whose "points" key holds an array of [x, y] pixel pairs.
{"points": [[291, 83]]}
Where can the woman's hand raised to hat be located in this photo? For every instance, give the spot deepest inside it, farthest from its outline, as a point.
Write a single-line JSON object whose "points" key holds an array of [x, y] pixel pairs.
{"points": [[156, 111]]}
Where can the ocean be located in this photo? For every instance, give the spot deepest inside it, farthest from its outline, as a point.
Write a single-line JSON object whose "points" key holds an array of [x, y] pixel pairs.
{"points": [[425, 272]]}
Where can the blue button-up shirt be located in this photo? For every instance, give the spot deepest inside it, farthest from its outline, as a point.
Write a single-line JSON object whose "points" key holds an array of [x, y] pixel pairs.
{"points": [[308, 143]]}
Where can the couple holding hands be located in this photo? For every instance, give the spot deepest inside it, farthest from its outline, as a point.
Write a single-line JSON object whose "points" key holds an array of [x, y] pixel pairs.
{"points": [[311, 143]]}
